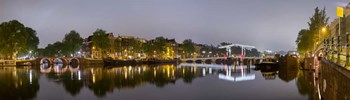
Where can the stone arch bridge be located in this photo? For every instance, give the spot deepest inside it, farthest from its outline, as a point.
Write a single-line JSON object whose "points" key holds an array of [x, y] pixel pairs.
{"points": [[51, 61]]}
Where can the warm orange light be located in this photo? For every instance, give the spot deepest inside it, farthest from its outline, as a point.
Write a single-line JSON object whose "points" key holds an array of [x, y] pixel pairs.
{"points": [[323, 29]]}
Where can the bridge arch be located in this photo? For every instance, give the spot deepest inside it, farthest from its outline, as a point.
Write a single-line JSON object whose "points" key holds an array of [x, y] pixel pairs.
{"points": [[208, 61], [45, 61], [198, 61], [189, 61], [74, 61], [60, 60]]}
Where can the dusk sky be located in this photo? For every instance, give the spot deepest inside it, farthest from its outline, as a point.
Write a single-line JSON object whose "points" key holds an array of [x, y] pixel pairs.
{"points": [[266, 24]]}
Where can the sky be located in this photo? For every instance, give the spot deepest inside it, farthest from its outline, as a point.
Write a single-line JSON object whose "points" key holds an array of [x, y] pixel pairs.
{"points": [[265, 24]]}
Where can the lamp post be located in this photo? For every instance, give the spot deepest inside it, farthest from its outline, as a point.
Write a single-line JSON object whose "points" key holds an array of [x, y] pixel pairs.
{"points": [[323, 30]]}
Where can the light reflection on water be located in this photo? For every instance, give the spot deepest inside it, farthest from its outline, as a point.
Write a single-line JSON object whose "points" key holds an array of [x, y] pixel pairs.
{"points": [[188, 81]]}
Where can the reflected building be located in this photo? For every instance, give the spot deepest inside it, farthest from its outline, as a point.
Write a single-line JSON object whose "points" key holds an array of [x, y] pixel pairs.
{"points": [[288, 68]]}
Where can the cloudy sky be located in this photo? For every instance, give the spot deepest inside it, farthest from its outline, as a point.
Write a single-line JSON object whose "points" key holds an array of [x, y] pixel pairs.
{"points": [[266, 24]]}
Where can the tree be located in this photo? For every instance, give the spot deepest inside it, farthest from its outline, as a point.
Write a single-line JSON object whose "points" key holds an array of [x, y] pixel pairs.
{"points": [[304, 41], [33, 40], [136, 45], [159, 45], [307, 38], [148, 48], [16, 38], [317, 22], [72, 42], [54, 49], [188, 47], [100, 40]]}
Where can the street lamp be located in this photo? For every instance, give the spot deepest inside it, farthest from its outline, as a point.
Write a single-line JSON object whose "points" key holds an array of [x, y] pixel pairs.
{"points": [[30, 54], [323, 30]]}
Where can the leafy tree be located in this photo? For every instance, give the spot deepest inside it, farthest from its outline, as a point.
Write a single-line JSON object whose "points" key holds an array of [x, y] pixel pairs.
{"points": [[100, 40], [317, 22], [159, 45], [72, 42], [307, 38], [54, 49], [304, 41], [148, 48], [135, 45], [16, 38], [188, 47], [33, 40]]}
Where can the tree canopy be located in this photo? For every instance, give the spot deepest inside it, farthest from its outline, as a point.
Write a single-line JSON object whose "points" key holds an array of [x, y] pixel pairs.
{"points": [[16, 38], [100, 40], [159, 44], [188, 46], [72, 42], [307, 38]]}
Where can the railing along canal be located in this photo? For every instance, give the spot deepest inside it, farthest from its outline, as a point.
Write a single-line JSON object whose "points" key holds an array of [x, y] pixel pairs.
{"points": [[336, 49]]}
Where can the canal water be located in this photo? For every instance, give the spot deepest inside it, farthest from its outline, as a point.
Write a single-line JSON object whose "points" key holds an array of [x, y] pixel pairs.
{"points": [[157, 82]]}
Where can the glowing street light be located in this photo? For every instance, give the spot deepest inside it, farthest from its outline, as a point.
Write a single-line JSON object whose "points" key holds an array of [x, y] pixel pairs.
{"points": [[324, 29]]}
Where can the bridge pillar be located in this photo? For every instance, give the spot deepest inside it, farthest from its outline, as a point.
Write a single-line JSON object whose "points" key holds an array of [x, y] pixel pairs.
{"points": [[228, 51]]}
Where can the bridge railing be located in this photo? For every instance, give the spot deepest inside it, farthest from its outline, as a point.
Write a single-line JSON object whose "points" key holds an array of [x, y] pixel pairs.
{"points": [[336, 49]]}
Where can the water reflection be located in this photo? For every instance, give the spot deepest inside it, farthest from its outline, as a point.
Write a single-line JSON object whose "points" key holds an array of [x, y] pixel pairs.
{"points": [[305, 84], [103, 80], [234, 73], [268, 72], [22, 83], [18, 83]]}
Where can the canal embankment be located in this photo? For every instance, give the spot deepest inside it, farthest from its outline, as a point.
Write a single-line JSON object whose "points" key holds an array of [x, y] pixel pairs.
{"points": [[331, 81], [334, 81]]}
